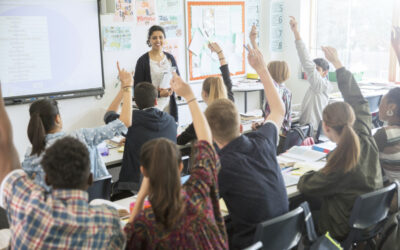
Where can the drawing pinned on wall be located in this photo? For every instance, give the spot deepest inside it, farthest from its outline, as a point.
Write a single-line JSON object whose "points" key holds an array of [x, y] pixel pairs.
{"points": [[209, 21], [117, 38], [276, 31], [253, 8], [124, 10], [171, 45], [172, 25], [145, 12], [168, 7]]}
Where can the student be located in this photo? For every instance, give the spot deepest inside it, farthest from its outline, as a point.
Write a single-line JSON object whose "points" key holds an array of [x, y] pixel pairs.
{"points": [[62, 218], [147, 123], [152, 66], [250, 179], [186, 217], [353, 167], [316, 97], [45, 127], [388, 137], [212, 89]]}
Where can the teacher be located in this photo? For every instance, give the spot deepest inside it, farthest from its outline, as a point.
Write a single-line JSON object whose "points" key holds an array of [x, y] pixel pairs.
{"points": [[153, 66]]}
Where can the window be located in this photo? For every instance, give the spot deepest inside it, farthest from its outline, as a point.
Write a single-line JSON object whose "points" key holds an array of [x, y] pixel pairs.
{"points": [[360, 31]]}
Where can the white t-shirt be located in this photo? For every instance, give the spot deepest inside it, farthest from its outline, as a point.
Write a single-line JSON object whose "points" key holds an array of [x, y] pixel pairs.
{"points": [[157, 72]]}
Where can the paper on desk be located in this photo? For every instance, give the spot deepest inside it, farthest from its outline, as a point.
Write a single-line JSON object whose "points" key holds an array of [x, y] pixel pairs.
{"points": [[97, 202], [304, 167], [304, 154]]}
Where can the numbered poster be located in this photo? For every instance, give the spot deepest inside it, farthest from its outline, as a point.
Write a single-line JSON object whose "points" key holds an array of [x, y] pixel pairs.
{"points": [[276, 26]]}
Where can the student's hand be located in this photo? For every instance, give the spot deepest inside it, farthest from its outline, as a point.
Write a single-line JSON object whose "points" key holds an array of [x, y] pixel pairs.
{"points": [[256, 59], [214, 47], [253, 34], [125, 77], [293, 24], [332, 56], [181, 88], [255, 125], [396, 39], [165, 92]]}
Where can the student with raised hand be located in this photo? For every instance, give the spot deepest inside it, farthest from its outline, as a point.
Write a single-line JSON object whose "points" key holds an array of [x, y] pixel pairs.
{"points": [[180, 217], [45, 127], [316, 97], [62, 218], [353, 167], [213, 88], [279, 71], [250, 178]]}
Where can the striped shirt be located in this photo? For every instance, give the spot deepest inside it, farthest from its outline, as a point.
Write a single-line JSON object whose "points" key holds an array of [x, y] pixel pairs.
{"points": [[62, 219], [388, 141]]}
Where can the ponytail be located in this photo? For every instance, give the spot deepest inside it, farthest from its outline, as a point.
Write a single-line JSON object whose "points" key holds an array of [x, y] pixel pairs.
{"points": [[340, 117], [215, 88], [36, 134], [165, 187], [43, 114]]}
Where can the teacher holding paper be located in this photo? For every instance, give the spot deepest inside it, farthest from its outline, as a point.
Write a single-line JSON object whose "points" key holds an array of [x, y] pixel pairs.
{"points": [[156, 67]]}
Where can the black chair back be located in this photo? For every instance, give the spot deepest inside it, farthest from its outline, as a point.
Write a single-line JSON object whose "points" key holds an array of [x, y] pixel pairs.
{"points": [[296, 136], [369, 214], [282, 232], [100, 189]]}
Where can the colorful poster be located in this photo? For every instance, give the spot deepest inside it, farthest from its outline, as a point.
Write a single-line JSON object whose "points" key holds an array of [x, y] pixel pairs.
{"points": [[276, 30], [117, 38], [168, 7], [145, 12], [123, 11], [171, 24], [172, 46]]}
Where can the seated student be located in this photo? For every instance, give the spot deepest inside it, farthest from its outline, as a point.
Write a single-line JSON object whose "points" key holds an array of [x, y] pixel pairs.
{"points": [[180, 217], [62, 218], [250, 178], [212, 89], [353, 167], [316, 97], [388, 137], [147, 123], [45, 127]]}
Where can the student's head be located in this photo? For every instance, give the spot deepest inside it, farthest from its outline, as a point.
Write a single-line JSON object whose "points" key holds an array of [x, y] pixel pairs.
{"points": [[338, 119], [213, 89], [161, 162], [279, 71], [145, 95], [322, 66], [67, 165], [224, 121], [389, 108], [44, 119], [155, 37]]}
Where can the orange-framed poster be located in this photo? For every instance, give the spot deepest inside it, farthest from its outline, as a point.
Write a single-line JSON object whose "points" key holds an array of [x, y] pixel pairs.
{"points": [[222, 22]]}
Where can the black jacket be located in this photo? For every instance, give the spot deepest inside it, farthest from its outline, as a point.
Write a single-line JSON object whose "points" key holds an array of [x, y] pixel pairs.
{"points": [[189, 134], [142, 74]]}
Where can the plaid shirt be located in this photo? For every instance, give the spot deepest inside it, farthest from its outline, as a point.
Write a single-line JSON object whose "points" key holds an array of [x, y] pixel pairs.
{"points": [[60, 220]]}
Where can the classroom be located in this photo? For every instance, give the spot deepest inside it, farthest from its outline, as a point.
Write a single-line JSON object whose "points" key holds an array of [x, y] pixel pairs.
{"points": [[200, 124]]}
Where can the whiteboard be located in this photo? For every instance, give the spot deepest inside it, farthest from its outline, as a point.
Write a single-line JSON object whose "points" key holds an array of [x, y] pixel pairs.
{"points": [[222, 22], [50, 47]]}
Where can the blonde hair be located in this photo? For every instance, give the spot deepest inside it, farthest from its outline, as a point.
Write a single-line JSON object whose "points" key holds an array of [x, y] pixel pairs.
{"points": [[224, 120], [215, 88], [340, 117], [279, 71]]}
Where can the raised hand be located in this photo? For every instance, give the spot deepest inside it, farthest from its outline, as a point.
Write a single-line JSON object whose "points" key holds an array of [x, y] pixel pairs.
{"points": [[293, 24], [253, 36], [214, 47], [256, 59], [332, 56], [125, 77], [181, 88], [165, 92]]}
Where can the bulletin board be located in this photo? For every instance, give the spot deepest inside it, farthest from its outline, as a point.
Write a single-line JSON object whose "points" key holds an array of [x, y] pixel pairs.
{"points": [[222, 22]]}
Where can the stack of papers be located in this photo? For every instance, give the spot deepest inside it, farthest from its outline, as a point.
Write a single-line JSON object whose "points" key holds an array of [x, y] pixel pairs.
{"points": [[306, 154]]}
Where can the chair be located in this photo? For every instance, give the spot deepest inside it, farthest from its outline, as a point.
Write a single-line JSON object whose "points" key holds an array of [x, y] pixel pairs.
{"points": [[368, 216], [320, 137], [100, 189], [374, 102], [296, 136], [282, 232]]}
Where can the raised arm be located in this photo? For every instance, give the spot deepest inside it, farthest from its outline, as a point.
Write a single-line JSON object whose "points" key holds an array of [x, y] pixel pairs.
{"points": [[396, 42], [8, 154], [351, 92], [226, 75], [253, 36], [200, 123], [126, 88], [275, 102]]}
